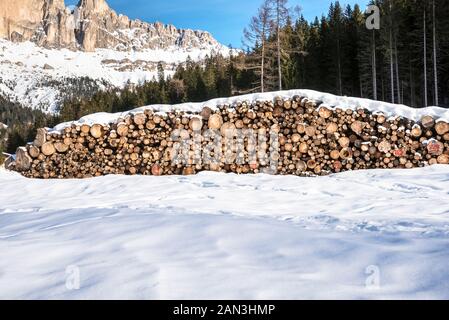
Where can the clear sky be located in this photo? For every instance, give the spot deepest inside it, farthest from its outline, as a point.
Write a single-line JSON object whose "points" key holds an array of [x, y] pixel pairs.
{"points": [[225, 19]]}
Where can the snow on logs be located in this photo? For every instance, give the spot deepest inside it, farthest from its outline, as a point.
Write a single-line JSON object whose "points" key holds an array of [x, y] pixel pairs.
{"points": [[300, 136]]}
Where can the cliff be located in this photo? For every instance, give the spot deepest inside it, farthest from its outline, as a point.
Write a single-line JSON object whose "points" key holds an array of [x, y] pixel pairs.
{"points": [[91, 24]]}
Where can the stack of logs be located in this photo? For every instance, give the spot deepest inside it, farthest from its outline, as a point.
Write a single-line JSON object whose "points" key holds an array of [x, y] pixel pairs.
{"points": [[312, 140]]}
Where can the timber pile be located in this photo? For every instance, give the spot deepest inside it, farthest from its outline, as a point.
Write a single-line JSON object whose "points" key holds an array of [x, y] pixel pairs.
{"points": [[312, 140]]}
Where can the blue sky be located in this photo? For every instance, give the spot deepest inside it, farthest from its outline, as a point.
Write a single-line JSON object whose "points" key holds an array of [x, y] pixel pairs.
{"points": [[225, 19]]}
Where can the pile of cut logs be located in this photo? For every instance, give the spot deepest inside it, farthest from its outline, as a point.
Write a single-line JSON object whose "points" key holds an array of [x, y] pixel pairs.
{"points": [[311, 139]]}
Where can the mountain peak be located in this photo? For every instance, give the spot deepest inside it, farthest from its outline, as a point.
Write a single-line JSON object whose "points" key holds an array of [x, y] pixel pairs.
{"points": [[95, 6], [91, 25]]}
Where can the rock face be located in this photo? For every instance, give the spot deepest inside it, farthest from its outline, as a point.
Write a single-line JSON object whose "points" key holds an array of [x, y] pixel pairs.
{"points": [[91, 24]]}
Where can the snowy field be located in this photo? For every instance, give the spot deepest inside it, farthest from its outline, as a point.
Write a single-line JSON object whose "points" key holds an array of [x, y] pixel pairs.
{"points": [[362, 235]]}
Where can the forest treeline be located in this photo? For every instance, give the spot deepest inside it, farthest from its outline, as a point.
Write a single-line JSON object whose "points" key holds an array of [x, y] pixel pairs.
{"points": [[405, 61]]}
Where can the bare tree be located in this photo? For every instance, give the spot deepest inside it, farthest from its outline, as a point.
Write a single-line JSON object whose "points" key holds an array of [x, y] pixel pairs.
{"points": [[374, 65], [435, 69], [391, 55], [256, 36], [425, 57], [398, 81], [280, 16]]}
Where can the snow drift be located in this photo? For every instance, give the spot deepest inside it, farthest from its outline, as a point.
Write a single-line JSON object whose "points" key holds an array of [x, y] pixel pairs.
{"points": [[358, 235]]}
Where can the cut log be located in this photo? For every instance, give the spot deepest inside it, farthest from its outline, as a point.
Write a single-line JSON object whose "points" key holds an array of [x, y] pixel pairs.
{"points": [[296, 138], [140, 119], [206, 113], [416, 131], [345, 153], [150, 125], [67, 141], [188, 171], [48, 149], [85, 128], [33, 151], [384, 147], [325, 112], [335, 154], [332, 128], [399, 153], [97, 131], [311, 164], [156, 170], [310, 131], [427, 122], [215, 122], [443, 159], [301, 128], [41, 137], [442, 128], [301, 166], [357, 127], [435, 147], [337, 166], [303, 147], [344, 142], [228, 130], [61, 147], [23, 159], [10, 163], [195, 124]]}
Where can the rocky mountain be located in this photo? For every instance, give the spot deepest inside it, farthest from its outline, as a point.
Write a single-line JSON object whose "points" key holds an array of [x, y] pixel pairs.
{"points": [[48, 50], [90, 25]]}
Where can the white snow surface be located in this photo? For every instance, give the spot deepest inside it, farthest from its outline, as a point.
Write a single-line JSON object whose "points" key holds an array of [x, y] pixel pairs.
{"points": [[224, 236], [328, 100], [27, 70]]}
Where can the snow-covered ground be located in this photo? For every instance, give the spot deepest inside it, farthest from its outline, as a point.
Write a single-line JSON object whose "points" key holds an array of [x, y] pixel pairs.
{"points": [[28, 72], [363, 235]]}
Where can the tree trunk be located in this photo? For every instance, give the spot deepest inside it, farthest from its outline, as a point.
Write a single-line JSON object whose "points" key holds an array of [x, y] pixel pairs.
{"points": [[425, 60], [391, 66], [278, 9], [435, 65], [412, 84], [340, 89], [262, 71], [398, 82], [374, 66], [391, 57]]}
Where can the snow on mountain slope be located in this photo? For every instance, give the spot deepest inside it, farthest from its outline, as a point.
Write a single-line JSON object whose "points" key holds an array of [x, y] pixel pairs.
{"points": [[227, 236], [38, 77], [47, 47]]}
